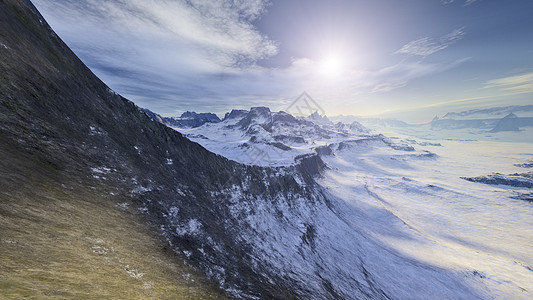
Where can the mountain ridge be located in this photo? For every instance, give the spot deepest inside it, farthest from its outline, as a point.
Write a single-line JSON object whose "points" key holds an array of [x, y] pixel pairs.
{"points": [[187, 120]]}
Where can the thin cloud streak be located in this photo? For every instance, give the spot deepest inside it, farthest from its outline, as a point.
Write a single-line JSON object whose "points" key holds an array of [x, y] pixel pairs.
{"points": [[427, 46], [519, 84], [467, 2]]}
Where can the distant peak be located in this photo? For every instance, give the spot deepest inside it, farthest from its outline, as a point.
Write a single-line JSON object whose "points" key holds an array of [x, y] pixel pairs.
{"points": [[510, 116], [260, 110], [315, 115], [188, 114], [235, 113]]}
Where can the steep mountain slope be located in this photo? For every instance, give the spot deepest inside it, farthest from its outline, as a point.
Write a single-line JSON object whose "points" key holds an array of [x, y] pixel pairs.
{"points": [[64, 233], [56, 111], [83, 166]]}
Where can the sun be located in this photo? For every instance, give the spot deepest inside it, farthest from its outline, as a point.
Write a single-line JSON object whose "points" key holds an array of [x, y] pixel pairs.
{"points": [[331, 65]]}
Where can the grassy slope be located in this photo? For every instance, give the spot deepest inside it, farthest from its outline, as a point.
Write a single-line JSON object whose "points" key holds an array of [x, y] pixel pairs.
{"points": [[65, 239]]}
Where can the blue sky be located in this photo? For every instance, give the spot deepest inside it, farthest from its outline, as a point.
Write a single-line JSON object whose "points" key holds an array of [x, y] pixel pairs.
{"points": [[409, 59]]}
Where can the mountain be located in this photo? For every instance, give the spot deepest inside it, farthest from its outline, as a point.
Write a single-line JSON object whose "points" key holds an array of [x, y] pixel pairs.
{"points": [[316, 118], [485, 119], [186, 120], [67, 135], [452, 124], [236, 113], [265, 138], [69, 225], [491, 113], [508, 123], [492, 119], [371, 122]]}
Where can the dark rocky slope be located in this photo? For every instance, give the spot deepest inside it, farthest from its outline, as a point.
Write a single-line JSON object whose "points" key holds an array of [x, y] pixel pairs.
{"points": [[56, 111]]}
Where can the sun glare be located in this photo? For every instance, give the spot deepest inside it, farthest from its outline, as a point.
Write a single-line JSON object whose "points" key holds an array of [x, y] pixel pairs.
{"points": [[331, 66]]}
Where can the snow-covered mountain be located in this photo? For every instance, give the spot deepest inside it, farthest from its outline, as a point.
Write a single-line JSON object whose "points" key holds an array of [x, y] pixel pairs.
{"points": [[262, 137], [370, 122], [508, 123], [186, 120], [508, 118], [491, 113]]}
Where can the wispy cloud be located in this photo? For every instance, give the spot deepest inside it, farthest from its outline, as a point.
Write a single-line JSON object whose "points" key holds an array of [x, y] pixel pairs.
{"points": [[401, 74], [166, 55], [209, 35], [466, 2], [519, 84], [427, 46], [172, 56]]}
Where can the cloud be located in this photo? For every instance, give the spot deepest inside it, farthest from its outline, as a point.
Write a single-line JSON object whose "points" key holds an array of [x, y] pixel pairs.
{"points": [[467, 2], [399, 75], [172, 56], [427, 46], [519, 84], [210, 35], [164, 54]]}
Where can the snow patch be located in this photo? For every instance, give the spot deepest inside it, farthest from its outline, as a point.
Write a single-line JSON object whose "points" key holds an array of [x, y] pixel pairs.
{"points": [[133, 273], [123, 206], [94, 130], [102, 170], [192, 227], [111, 92]]}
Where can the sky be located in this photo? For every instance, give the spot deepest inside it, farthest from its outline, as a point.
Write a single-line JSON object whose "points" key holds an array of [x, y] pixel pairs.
{"points": [[406, 59]]}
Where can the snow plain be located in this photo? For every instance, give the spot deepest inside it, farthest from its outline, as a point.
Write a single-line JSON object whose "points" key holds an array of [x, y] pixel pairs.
{"points": [[421, 207]]}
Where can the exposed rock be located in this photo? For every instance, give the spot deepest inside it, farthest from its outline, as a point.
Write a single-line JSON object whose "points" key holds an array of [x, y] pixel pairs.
{"points": [[515, 180]]}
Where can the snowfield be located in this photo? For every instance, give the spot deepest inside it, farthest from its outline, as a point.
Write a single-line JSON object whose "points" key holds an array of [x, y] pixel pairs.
{"points": [[399, 220], [423, 209]]}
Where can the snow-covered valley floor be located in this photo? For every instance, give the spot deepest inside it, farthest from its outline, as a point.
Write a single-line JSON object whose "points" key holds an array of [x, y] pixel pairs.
{"points": [[421, 207]]}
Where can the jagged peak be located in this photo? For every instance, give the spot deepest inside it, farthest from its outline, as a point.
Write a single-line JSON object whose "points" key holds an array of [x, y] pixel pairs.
{"points": [[510, 116], [318, 118], [235, 113], [260, 110]]}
